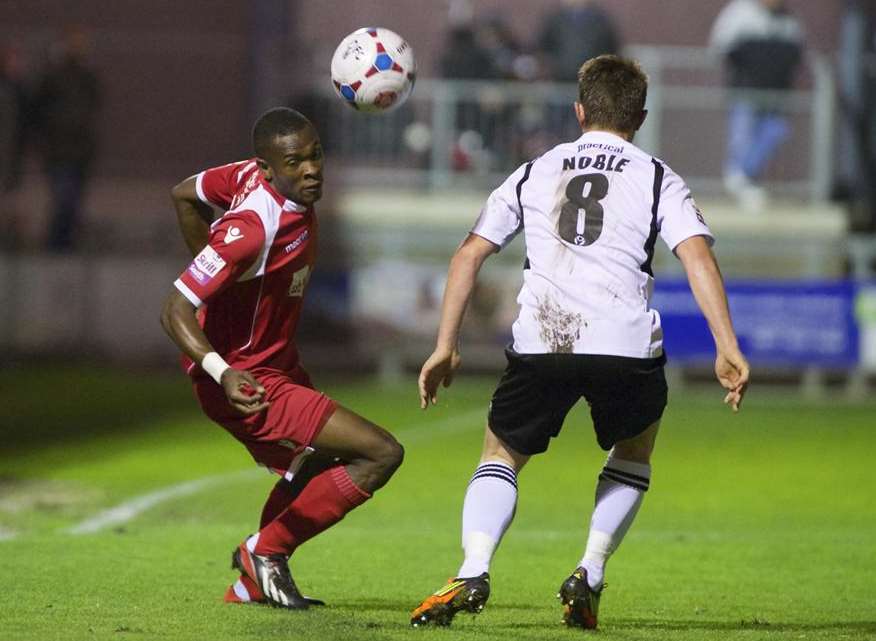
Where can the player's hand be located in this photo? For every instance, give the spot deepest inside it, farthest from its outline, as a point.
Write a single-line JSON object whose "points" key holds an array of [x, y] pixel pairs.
{"points": [[732, 371], [438, 369], [244, 392]]}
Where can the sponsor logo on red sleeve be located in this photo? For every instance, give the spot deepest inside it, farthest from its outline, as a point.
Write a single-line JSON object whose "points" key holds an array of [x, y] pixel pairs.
{"points": [[198, 275], [206, 265]]}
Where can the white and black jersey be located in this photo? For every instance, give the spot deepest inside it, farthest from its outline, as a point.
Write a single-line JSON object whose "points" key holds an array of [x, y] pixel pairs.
{"points": [[591, 211]]}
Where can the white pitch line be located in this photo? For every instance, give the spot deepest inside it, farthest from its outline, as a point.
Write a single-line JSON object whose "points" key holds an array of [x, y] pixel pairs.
{"points": [[139, 504], [132, 508]]}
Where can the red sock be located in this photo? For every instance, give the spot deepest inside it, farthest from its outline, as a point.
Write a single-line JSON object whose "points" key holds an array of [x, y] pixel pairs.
{"points": [[321, 504], [278, 500]]}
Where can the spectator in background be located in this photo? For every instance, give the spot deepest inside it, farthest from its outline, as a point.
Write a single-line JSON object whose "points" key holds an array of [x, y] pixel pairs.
{"points": [[13, 127], [506, 54], [13, 109], [480, 49], [573, 33], [577, 31], [65, 115], [856, 163], [762, 45], [465, 57]]}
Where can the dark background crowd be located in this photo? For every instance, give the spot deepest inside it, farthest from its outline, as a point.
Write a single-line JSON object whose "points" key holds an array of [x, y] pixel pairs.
{"points": [[54, 110], [58, 113]]}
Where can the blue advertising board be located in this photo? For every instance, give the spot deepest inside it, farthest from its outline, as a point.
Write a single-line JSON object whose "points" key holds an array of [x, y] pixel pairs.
{"points": [[778, 323]]}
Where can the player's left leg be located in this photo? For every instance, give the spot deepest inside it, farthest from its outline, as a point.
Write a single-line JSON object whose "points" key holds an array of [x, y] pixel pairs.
{"points": [[487, 512], [299, 418], [527, 410], [286, 490], [370, 456], [490, 503]]}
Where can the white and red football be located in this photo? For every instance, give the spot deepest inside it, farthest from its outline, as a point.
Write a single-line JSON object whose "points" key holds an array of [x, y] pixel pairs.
{"points": [[374, 69]]}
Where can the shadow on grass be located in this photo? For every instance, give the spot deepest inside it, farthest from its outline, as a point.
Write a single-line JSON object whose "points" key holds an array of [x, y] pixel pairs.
{"points": [[353, 618], [754, 624], [642, 625], [399, 610], [57, 404]]}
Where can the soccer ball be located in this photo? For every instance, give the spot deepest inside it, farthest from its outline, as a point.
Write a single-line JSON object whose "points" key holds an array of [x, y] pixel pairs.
{"points": [[373, 69]]}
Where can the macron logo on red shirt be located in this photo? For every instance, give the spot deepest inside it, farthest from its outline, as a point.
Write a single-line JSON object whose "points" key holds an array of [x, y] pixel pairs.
{"points": [[233, 234], [291, 247]]}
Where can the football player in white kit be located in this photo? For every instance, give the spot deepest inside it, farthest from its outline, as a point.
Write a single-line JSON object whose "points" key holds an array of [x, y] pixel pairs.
{"points": [[591, 211]]}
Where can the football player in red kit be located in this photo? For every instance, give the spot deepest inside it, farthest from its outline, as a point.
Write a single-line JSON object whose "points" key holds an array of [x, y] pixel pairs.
{"points": [[233, 313]]}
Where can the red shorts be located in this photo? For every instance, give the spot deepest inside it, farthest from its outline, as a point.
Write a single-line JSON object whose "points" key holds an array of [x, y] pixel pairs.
{"points": [[275, 436]]}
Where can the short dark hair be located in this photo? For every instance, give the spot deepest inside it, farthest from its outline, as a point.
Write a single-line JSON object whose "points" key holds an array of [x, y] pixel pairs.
{"points": [[612, 91], [280, 121]]}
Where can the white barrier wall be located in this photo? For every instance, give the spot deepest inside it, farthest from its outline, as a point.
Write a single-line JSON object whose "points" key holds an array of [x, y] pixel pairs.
{"points": [[398, 245], [102, 307]]}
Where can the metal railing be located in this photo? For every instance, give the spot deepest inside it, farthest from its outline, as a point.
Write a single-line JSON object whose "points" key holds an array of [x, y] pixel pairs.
{"points": [[472, 133]]}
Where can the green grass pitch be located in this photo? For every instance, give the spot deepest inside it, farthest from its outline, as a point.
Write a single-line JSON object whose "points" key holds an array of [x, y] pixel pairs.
{"points": [[757, 526]]}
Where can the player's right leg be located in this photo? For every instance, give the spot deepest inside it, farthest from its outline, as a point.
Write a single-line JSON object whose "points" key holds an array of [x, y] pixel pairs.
{"points": [[627, 398], [621, 487], [488, 509]]}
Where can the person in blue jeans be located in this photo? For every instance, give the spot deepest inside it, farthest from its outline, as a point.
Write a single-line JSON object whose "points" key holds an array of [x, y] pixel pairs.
{"points": [[762, 46]]}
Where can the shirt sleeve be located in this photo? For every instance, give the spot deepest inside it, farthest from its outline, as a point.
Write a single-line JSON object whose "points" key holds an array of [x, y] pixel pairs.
{"points": [[678, 217], [236, 243], [501, 219], [218, 185]]}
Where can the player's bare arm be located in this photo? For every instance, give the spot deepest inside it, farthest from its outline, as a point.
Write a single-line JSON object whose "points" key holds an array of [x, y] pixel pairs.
{"points": [[707, 286], [194, 216], [461, 277], [244, 392]]}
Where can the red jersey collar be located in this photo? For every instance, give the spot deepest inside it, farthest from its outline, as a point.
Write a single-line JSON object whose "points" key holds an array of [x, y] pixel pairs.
{"points": [[285, 203]]}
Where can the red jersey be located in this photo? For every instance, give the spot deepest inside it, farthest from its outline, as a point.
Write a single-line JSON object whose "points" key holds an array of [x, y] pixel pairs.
{"points": [[249, 281]]}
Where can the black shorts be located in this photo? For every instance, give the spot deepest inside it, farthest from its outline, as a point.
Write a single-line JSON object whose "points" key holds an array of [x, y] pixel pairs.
{"points": [[626, 395]]}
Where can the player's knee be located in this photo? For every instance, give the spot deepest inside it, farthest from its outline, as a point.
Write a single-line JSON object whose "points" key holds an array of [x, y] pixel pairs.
{"points": [[376, 461], [639, 448], [633, 455], [634, 451], [374, 469], [391, 456]]}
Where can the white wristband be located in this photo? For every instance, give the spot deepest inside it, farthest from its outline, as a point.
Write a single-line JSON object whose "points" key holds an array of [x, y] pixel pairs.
{"points": [[214, 365]]}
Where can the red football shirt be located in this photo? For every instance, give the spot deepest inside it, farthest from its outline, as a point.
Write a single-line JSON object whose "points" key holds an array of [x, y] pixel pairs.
{"points": [[249, 281]]}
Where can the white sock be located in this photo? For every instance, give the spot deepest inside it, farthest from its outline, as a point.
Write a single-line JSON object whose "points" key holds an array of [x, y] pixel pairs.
{"points": [[487, 512], [619, 493]]}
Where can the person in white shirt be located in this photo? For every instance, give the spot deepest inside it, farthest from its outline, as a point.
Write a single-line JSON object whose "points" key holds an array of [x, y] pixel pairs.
{"points": [[591, 210], [762, 45]]}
